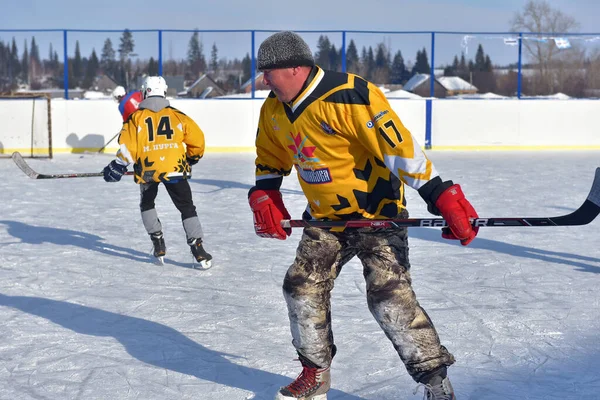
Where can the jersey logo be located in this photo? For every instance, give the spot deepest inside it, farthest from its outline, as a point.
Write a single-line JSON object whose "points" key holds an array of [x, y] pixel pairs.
{"points": [[327, 129], [302, 152], [275, 126], [377, 117], [314, 176]]}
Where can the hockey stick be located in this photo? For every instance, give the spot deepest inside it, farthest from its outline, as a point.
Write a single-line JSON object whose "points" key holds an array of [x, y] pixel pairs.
{"points": [[22, 164], [582, 216], [103, 147]]}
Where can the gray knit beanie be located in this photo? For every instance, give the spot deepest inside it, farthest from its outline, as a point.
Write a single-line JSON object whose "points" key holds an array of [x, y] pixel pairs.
{"points": [[284, 50]]}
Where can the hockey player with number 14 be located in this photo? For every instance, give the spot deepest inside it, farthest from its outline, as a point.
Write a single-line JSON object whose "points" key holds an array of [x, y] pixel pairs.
{"points": [[353, 158], [162, 143]]}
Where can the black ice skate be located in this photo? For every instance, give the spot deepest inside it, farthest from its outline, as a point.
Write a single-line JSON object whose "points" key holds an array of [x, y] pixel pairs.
{"points": [[437, 386], [159, 249], [201, 257]]}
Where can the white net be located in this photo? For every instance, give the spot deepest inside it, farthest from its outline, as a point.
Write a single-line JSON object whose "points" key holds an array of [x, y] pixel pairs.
{"points": [[28, 125]]}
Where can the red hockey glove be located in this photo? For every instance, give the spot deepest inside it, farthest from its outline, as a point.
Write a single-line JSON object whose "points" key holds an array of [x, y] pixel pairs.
{"points": [[457, 210], [268, 209]]}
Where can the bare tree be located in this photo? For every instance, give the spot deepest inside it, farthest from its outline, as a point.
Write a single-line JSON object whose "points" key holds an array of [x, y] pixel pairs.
{"points": [[539, 17]]}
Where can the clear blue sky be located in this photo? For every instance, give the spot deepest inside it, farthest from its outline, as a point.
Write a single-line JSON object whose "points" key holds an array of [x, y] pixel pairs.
{"points": [[374, 15]]}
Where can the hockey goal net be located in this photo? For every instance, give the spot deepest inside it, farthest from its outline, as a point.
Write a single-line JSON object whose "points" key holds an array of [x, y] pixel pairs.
{"points": [[27, 121]]}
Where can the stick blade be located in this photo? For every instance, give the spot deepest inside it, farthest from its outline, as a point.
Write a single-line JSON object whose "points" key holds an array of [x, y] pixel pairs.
{"points": [[23, 166], [594, 195]]}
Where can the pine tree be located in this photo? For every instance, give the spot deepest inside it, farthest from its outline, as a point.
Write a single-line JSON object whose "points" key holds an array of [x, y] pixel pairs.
{"points": [[352, 61], [421, 63], [91, 70], [382, 64], [126, 46], [15, 64], [370, 63], [25, 64], [196, 60], [323, 51], [77, 65], [334, 59], [152, 67], [246, 68], [479, 59], [34, 59], [107, 58], [488, 67], [214, 59], [398, 71]]}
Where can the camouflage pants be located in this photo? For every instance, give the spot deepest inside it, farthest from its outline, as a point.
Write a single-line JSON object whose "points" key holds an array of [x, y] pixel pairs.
{"points": [[307, 287]]}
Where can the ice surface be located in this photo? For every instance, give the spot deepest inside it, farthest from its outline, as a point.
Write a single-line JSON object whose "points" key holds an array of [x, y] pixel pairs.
{"points": [[86, 315]]}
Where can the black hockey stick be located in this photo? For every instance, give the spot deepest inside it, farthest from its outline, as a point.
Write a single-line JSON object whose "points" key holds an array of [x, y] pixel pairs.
{"points": [[103, 147], [22, 164], [582, 216]]}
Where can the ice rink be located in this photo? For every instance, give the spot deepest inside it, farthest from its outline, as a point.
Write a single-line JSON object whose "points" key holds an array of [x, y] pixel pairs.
{"points": [[85, 314]]}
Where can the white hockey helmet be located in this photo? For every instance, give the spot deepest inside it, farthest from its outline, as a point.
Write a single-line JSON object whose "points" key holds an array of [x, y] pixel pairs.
{"points": [[118, 93], [154, 86]]}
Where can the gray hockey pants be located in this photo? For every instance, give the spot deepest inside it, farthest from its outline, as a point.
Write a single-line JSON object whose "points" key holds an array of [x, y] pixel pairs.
{"points": [[307, 286]]}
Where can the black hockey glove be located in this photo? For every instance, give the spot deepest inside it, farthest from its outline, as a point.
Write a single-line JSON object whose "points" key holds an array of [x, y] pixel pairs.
{"points": [[192, 160], [114, 171]]}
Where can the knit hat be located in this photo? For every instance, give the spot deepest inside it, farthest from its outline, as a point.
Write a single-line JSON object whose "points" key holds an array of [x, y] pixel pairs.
{"points": [[284, 50]]}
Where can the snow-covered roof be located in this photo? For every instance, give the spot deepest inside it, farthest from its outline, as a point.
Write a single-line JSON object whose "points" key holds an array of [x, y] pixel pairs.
{"points": [[451, 83], [487, 95], [415, 81], [401, 94], [455, 83]]}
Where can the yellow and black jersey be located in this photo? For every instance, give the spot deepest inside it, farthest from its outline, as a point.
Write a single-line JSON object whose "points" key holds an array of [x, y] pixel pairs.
{"points": [[156, 139], [351, 152]]}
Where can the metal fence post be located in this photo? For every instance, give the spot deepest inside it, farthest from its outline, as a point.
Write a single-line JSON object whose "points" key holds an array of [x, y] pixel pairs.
{"points": [[343, 53], [520, 66], [432, 73], [253, 66], [160, 62], [66, 66]]}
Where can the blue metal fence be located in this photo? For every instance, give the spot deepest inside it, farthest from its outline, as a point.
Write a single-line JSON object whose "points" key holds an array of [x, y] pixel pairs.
{"points": [[519, 39]]}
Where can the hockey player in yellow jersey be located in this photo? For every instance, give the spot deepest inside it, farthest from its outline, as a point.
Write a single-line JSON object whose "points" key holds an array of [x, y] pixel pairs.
{"points": [[353, 158], [162, 143]]}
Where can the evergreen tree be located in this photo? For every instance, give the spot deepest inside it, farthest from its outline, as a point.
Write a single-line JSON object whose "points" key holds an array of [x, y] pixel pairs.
{"points": [[214, 59], [34, 59], [126, 46], [382, 64], [107, 58], [364, 56], [422, 64], [381, 59], [370, 63], [246, 68], [322, 57], [70, 76], [77, 65], [479, 59], [352, 61], [196, 60], [463, 70], [15, 64], [398, 72], [152, 67], [334, 59], [488, 67], [25, 64], [91, 70]]}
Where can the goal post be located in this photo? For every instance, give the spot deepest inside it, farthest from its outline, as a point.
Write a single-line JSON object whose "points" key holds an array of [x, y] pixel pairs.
{"points": [[27, 121]]}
